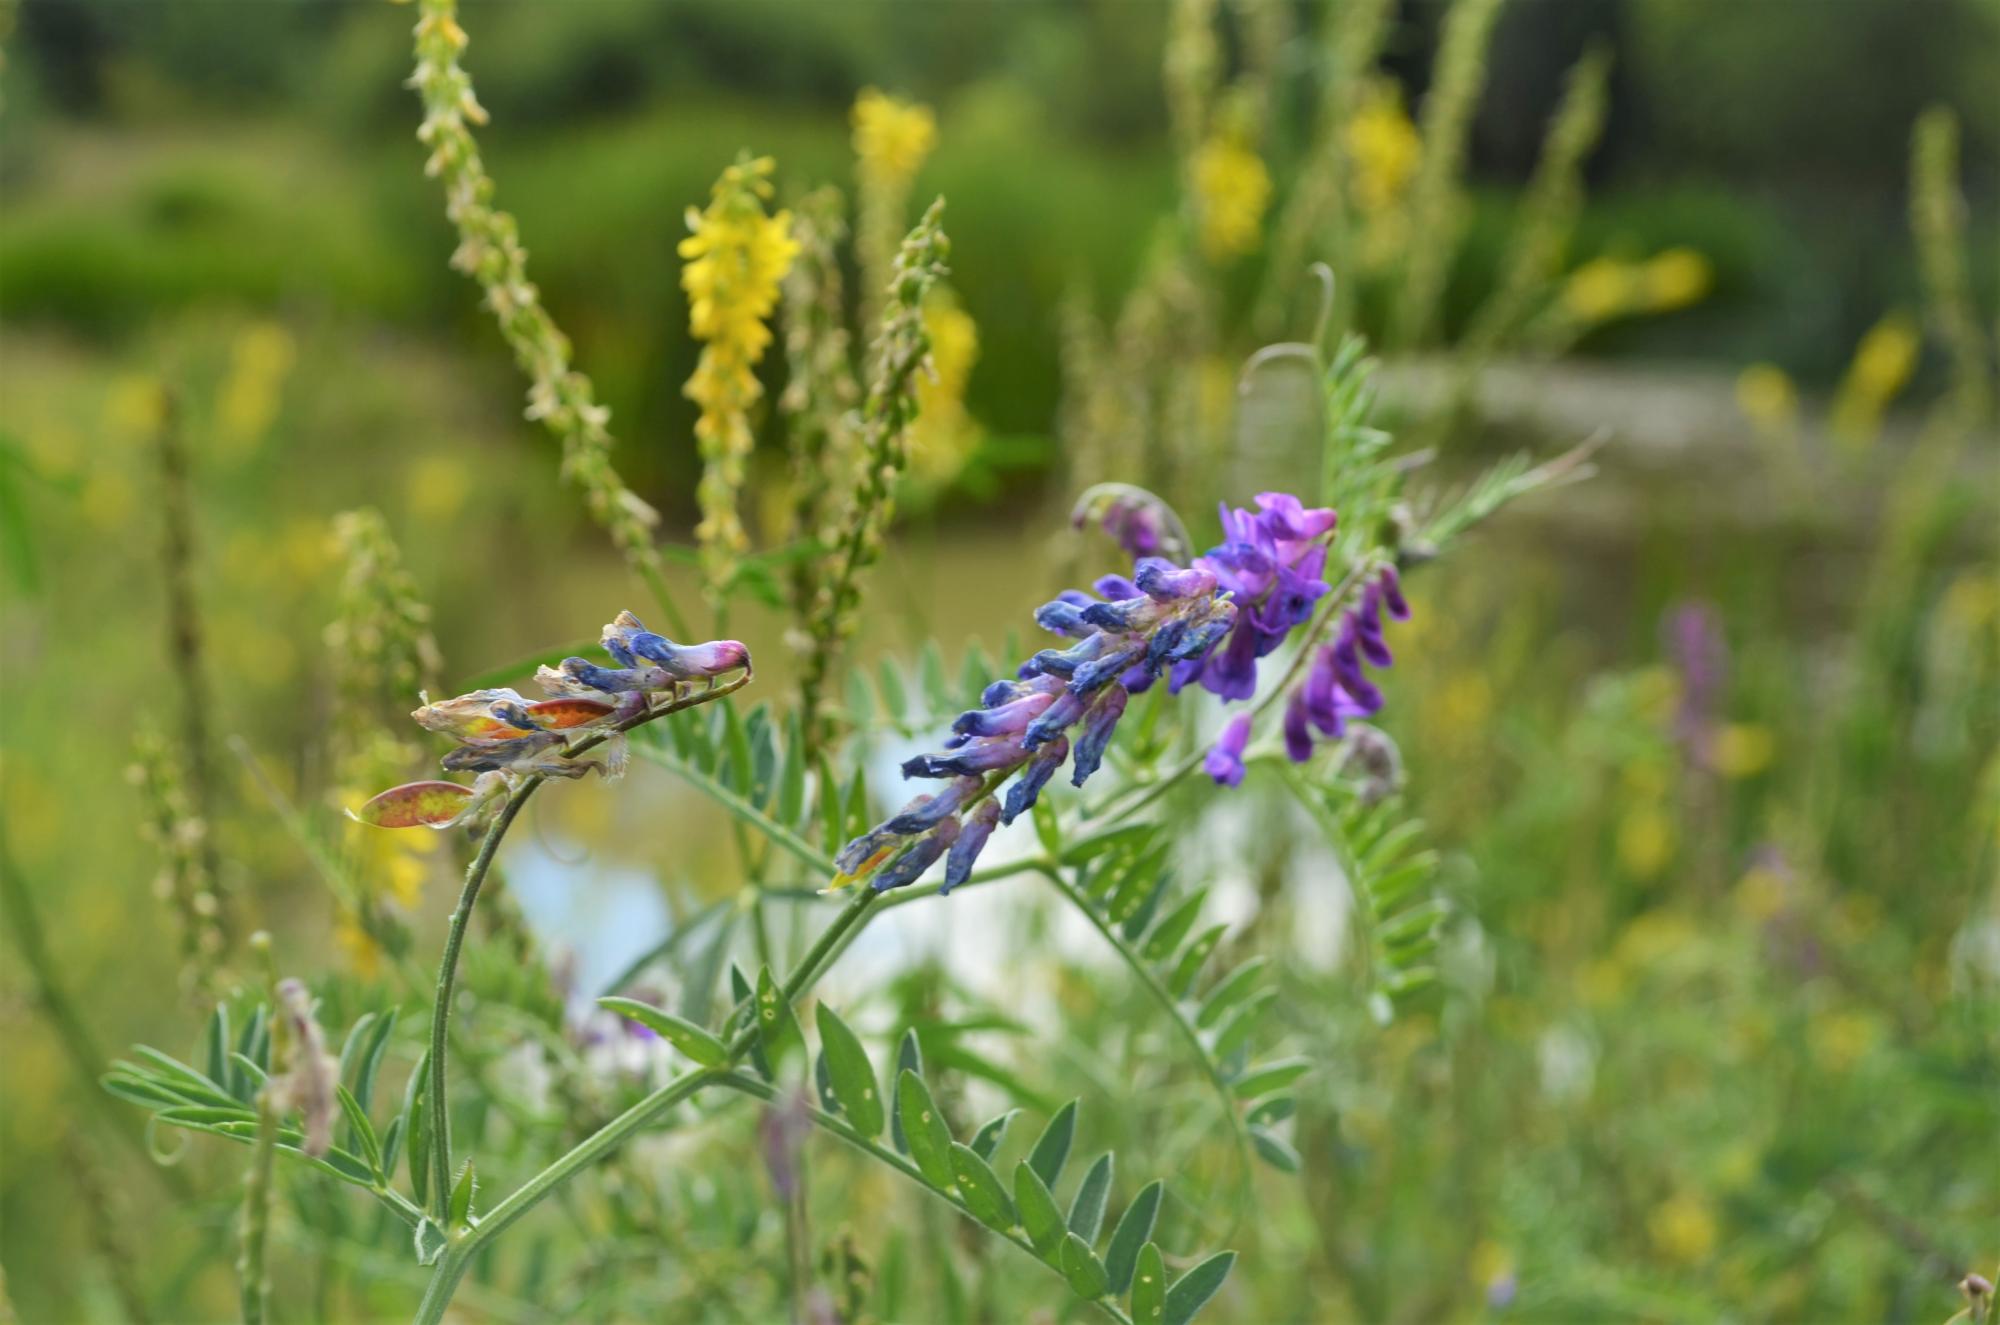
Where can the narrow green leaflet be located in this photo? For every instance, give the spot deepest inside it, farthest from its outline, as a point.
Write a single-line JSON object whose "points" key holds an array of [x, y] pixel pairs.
{"points": [[371, 1059], [1086, 1212], [1135, 1226], [909, 1058], [923, 1128], [685, 1036], [777, 1028], [1231, 991], [1192, 1290], [462, 1192], [1191, 962], [1176, 927], [988, 1138], [1149, 1286], [1082, 1268], [1264, 1079], [1052, 1149], [1039, 1214], [1274, 1150], [981, 1188], [852, 1075], [359, 1129]]}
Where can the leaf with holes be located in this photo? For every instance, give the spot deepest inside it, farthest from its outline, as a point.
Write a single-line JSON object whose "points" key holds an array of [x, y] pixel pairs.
{"points": [[1149, 1286], [852, 1075], [685, 1036], [923, 1127], [1192, 1290], [1135, 1226], [981, 1188], [1082, 1268]]}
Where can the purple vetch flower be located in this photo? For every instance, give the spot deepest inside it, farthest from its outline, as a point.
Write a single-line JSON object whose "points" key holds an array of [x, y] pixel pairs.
{"points": [[1337, 686], [309, 1075], [977, 827], [1027, 788], [1224, 762], [1701, 655], [1140, 522], [1210, 621], [1098, 724], [906, 868], [628, 641]]}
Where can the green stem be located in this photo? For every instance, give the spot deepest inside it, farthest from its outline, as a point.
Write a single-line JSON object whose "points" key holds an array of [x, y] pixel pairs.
{"points": [[752, 1086], [250, 1266], [1239, 1131], [465, 1243], [475, 876]]}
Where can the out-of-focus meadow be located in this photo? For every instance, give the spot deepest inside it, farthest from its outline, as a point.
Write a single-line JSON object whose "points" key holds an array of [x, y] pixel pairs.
{"points": [[1707, 744]]}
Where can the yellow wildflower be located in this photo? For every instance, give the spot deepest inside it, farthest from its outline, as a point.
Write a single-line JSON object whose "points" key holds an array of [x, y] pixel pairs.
{"points": [[1765, 394], [1882, 365], [1675, 278], [247, 403], [1232, 190], [1683, 1228], [944, 434], [1598, 290], [1383, 148], [736, 257], [1742, 749], [1840, 1039], [892, 138], [1645, 841]]}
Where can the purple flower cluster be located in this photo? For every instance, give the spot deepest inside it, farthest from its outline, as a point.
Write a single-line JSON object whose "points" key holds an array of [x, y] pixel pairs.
{"points": [[1063, 706], [1271, 562], [1208, 622]]}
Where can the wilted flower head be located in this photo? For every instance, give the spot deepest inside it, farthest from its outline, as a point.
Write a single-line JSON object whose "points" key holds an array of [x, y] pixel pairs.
{"points": [[309, 1074], [504, 737]]}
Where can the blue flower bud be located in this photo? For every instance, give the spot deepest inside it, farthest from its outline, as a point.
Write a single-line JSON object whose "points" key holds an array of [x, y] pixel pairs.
{"points": [[1094, 676], [925, 811], [1098, 725], [906, 868], [1064, 662], [1166, 582], [1004, 720], [1021, 795], [979, 757], [1056, 718], [973, 832]]}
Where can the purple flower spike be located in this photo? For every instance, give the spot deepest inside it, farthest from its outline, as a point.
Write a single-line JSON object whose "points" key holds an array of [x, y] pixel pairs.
{"points": [[978, 826], [1298, 732], [906, 868], [1167, 582], [1392, 594], [1225, 759], [1098, 725], [1092, 677], [1116, 588], [925, 811], [1068, 707], [1232, 673], [1021, 796], [1005, 719], [1064, 662], [1063, 617], [981, 758]]}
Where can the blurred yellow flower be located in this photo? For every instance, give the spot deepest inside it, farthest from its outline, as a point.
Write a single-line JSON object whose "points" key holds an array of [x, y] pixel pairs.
{"points": [[1765, 394], [1683, 1228], [438, 486], [1881, 368], [1465, 702], [1742, 749], [247, 403], [735, 257], [1675, 278], [1232, 189], [1598, 290], [1839, 1039], [1383, 148], [134, 407], [109, 499], [1762, 893], [944, 435], [892, 138], [1645, 841]]}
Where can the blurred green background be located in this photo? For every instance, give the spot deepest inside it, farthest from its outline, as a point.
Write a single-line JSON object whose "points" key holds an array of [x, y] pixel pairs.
{"points": [[1709, 744]]}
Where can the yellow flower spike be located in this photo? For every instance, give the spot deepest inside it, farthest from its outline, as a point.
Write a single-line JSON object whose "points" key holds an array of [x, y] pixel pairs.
{"points": [[892, 138], [1598, 290], [1882, 365], [1232, 190], [736, 256], [1765, 394], [1742, 750], [1675, 278], [944, 435], [1383, 148]]}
